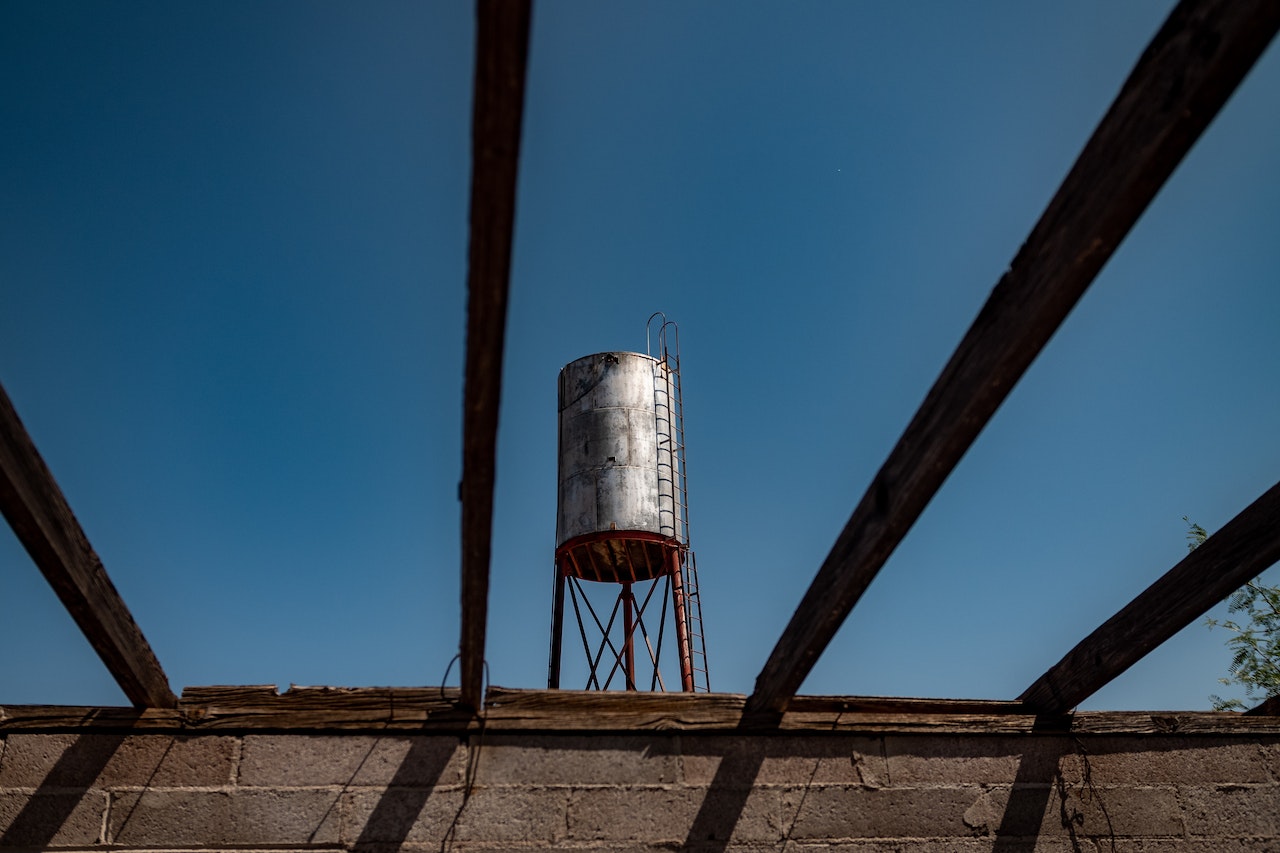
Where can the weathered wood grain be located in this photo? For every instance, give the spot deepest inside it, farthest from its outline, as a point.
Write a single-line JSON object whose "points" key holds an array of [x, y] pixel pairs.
{"points": [[1181, 81], [45, 525], [56, 718], [325, 708], [586, 710], [502, 45], [433, 710], [1227, 560]]}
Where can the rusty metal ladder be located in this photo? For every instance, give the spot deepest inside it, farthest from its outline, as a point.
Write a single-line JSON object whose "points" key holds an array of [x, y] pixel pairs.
{"points": [[669, 396]]}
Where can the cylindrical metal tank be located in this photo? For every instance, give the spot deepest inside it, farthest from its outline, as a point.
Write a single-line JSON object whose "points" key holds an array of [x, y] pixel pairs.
{"points": [[618, 514]]}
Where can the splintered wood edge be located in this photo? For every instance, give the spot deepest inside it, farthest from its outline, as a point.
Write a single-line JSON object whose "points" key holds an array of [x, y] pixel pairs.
{"points": [[435, 710]]}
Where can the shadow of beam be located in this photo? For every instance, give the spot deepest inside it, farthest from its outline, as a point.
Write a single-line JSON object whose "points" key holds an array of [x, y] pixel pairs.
{"points": [[402, 801], [1024, 814], [726, 796], [47, 810]]}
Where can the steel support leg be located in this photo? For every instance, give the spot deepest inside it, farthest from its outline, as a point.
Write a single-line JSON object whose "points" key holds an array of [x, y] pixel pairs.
{"points": [[682, 624], [557, 628]]}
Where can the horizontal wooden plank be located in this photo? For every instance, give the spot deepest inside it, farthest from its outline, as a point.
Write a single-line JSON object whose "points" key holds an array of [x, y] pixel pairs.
{"points": [[56, 718], [902, 705], [235, 694], [403, 710], [324, 708], [1171, 723], [1181, 81], [586, 710], [45, 525]]}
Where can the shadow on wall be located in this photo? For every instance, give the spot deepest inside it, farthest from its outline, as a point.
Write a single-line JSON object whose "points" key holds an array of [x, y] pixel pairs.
{"points": [[47, 810], [1025, 810], [726, 796], [706, 792], [1012, 792], [400, 807]]}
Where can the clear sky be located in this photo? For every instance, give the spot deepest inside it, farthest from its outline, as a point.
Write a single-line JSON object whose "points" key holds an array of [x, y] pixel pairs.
{"points": [[232, 270]]}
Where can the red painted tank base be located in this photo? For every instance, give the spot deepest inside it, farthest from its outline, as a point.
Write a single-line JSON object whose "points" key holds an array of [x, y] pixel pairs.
{"points": [[617, 556], [579, 560]]}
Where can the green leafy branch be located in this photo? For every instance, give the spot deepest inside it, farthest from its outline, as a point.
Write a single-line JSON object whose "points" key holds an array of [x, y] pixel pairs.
{"points": [[1255, 646]]}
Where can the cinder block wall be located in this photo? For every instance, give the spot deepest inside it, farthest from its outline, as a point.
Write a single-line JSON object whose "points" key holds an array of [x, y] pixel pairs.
{"points": [[639, 792]]}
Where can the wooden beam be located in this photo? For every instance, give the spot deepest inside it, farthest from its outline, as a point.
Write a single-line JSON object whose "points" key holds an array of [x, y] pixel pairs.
{"points": [[40, 516], [502, 46], [1181, 81], [1227, 560]]}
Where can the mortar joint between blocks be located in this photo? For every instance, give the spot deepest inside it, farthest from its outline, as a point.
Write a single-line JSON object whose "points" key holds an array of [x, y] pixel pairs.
{"points": [[237, 753], [104, 830]]}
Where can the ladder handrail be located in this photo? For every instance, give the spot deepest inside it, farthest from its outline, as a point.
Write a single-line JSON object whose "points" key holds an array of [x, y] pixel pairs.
{"points": [[669, 412]]}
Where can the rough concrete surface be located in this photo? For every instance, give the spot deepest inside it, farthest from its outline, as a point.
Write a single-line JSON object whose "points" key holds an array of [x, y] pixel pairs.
{"points": [[858, 793]]}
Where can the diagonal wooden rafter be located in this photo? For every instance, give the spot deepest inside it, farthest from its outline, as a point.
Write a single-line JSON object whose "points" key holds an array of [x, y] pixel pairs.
{"points": [[1227, 560], [502, 46], [43, 521], [1182, 80]]}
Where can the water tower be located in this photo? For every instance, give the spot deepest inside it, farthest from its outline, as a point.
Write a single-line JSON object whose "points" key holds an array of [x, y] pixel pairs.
{"points": [[622, 521]]}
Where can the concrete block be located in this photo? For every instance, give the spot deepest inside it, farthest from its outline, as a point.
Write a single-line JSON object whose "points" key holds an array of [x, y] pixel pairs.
{"points": [[985, 816], [1234, 811], [942, 845], [203, 818], [1104, 812], [57, 761], [834, 812], [717, 846], [819, 759], [644, 793], [1270, 758], [1176, 760], [351, 760], [187, 761], [1047, 845], [576, 760], [1186, 845], [36, 821], [1087, 811], [537, 847], [400, 816], [29, 759], [493, 816], [652, 815], [675, 815], [916, 761], [514, 814]]}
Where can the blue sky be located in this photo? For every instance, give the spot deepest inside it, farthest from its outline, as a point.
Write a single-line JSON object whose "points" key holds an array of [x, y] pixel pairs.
{"points": [[232, 295]]}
